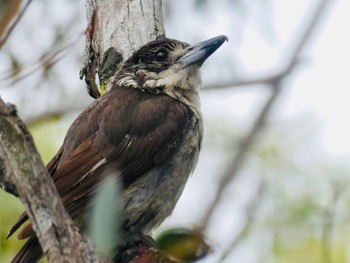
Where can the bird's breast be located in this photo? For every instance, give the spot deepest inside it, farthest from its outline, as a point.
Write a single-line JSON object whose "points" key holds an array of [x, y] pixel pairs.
{"points": [[148, 201]]}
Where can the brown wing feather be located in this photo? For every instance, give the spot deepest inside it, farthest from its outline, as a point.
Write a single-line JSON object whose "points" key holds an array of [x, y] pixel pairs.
{"points": [[131, 138], [146, 133], [79, 162], [52, 165], [130, 141]]}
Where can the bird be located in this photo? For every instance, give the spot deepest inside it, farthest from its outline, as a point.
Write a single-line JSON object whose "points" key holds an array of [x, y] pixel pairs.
{"points": [[146, 130]]}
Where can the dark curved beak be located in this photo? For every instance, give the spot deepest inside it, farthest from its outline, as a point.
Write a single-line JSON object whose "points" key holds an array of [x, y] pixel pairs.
{"points": [[198, 53]]}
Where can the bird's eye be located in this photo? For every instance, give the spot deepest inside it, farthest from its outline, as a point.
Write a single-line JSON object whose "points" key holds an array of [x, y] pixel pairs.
{"points": [[161, 56]]}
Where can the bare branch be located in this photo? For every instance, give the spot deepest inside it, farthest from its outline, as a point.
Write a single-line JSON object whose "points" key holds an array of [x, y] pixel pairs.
{"points": [[251, 210], [22, 170], [240, 155], [328, 223], [255, 80], [49, 57], [69, 105], [14, 24], [293, 53]]}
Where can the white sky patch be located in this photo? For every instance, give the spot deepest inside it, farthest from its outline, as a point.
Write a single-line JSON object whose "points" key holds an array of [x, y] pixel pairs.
{"points": [[320, 88], [323, 86]]}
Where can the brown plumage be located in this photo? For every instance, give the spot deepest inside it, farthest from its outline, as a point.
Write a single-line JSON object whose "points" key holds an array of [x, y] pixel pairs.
{"points": [[147, 130]]}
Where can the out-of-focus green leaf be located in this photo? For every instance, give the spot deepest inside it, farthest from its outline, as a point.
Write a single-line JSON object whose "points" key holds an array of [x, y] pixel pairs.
{"points": [[104, 220], [11, 208], [48, 135], [182, 244]]}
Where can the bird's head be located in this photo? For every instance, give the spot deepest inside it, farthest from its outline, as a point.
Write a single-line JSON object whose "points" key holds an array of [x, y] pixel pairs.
{"points": [[167, 66]]}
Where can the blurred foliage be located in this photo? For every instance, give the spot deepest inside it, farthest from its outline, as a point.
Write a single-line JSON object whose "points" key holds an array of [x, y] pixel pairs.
{"points": [[103, 225], [305, 208], [11, 208], [183, 245], [308, 251], [48, 136]]}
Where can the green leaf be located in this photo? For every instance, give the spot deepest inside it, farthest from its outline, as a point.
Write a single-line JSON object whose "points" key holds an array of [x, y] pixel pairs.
{"points": [[183, 245], [104, 221]]}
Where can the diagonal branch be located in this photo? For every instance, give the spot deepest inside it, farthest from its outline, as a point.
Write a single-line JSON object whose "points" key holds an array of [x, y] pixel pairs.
{"points": [[328, 222], [293, 53], [22, 171], [20, 14], [239, 157], [250, 211], [124, 25], [276, 83]]}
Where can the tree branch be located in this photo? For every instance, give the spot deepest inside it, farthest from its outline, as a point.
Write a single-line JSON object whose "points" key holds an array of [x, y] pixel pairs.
{"points": [[20, 14], [123, 25], [22, 171], [328, 223], [255, 80], [293, 55], [250, 211]]}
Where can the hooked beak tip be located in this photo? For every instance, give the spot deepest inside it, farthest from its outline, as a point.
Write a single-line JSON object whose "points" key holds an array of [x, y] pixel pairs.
{"points": [[198, 53]]}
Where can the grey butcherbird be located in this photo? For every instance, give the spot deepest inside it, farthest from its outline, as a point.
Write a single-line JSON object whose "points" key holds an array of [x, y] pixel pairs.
{"points": [[147, 130]]}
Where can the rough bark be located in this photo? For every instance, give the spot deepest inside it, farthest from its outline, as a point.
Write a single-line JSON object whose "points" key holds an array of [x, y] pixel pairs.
{"points": [[22, 172], [123, 25]]}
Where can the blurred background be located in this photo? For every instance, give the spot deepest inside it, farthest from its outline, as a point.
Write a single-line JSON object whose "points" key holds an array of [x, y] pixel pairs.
{"points": [[287, 198]]}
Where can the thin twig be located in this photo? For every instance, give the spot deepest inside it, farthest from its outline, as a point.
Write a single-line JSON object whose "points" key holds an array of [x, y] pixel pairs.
{"points": [[328, 224], [240, 155], [251, 210], [51, 56], [234, 166], [255, 80], [292, 56], [14, 24]]}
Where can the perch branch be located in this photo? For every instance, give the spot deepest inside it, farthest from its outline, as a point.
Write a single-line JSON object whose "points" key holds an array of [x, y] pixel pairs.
{"points": [[22, 171]]}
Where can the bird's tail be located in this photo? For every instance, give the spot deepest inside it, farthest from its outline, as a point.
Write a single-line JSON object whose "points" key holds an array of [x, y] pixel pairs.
{"points": [[30, 253]]}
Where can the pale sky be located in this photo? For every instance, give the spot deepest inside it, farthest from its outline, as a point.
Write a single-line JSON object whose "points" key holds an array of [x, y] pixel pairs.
{"points": [[319, 89]]}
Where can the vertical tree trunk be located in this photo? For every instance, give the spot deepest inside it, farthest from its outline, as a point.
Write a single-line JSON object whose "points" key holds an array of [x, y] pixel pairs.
{"points": [[123, 25]]}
